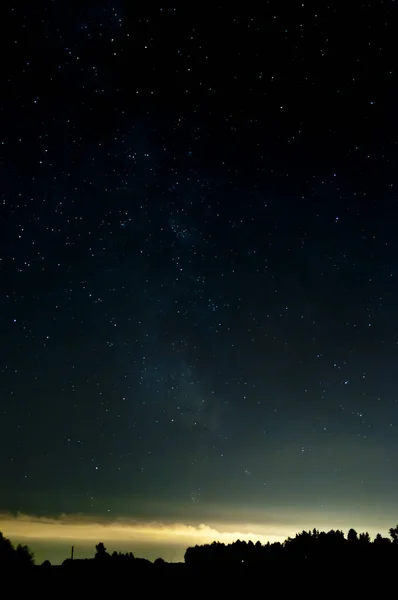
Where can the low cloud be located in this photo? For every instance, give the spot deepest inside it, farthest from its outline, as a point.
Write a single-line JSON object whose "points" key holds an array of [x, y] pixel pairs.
{"points": [[80, 528]]}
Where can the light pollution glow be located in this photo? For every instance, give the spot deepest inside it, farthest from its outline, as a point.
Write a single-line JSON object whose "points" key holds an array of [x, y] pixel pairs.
{"points": [[149, 539], [80, 528]]}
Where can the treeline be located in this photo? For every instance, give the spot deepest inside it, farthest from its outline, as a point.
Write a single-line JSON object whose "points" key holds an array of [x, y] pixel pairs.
{"points": [[309, 545]]}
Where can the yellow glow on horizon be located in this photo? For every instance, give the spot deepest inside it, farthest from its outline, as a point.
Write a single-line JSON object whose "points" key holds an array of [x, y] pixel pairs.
{"points": [[173, 538], [79, 528]]}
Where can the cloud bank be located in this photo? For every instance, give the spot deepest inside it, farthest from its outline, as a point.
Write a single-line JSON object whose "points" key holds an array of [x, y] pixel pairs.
{"points": [[80, 528]]}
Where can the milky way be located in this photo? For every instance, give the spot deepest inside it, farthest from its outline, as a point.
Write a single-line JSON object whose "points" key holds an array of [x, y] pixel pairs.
{"points": [[198, 263]]}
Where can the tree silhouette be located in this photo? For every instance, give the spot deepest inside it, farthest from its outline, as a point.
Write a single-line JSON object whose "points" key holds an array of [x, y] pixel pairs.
{"points": [[352, 536], [394, 534], [101, 552], [364, 538], [7, 551], [21, 554], [24, 555], [382, 544]]}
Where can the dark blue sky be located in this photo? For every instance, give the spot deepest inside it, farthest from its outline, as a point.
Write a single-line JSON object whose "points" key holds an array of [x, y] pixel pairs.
{"points": [[198, 250]]}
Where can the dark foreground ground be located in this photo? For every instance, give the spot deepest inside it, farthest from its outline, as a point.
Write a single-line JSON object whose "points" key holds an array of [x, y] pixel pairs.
{"points": [[295, 579]]}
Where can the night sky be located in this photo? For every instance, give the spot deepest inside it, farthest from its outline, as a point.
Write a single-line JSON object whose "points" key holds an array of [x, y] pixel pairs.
{"points": [[198, 272]]}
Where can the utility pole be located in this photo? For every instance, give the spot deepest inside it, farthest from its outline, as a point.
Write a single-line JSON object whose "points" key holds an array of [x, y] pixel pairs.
{"points": [[71, 553]]}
